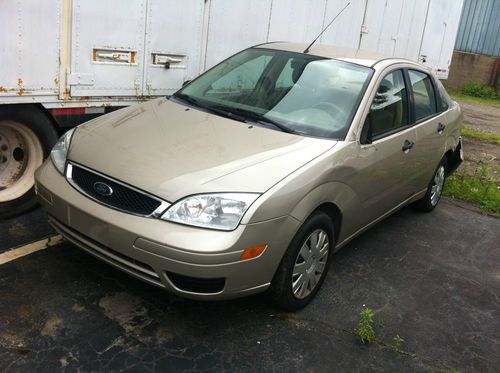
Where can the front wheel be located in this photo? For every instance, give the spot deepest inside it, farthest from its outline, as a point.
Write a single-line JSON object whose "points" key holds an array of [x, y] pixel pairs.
{"points": [[434, 190], [304, 265]]}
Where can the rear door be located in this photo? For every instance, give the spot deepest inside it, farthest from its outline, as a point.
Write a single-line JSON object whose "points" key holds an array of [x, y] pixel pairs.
{"points": [[430, 125]]}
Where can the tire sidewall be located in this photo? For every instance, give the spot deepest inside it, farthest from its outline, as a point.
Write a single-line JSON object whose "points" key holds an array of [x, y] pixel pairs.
{"points": [[281, 286], [37, 121], [426, 204]]}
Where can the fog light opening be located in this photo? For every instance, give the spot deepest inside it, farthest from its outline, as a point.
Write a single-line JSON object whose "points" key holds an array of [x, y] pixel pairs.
{"points": [[252, 252]]}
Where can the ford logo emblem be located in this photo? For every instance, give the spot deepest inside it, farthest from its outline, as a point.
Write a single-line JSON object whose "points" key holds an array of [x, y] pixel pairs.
{"points": [[103, 189]]}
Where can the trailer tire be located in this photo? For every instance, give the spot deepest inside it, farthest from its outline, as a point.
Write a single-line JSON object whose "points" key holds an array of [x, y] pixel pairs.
{"points": [[26, 137]]}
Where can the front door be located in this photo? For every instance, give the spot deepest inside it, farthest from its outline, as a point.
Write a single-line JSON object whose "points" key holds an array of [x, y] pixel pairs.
{"points": [[388, 166]]}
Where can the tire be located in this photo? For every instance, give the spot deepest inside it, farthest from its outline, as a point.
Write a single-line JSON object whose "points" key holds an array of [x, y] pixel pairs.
{"points": [[26, 138], [281, 292], [429, 202]]}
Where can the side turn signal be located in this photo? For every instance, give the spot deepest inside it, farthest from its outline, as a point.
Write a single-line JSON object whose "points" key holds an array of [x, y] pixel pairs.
{"points": [[252, 252]]}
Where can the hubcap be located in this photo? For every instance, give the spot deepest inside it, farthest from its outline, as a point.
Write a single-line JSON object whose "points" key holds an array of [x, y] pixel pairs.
{"points": [[310, 263], [20, 154], [437, 186]]}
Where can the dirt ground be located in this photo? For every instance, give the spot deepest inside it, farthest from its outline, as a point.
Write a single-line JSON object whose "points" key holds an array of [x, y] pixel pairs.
{"points": [[485, 119], [482, 118]]}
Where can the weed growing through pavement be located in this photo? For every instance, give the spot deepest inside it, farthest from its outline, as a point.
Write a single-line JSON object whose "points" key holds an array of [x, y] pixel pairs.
{"points": [[365, 329], [398, 341]]}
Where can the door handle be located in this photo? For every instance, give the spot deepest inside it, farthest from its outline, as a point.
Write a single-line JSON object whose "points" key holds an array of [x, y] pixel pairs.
{"points": [[441, 127], [407, 145]]}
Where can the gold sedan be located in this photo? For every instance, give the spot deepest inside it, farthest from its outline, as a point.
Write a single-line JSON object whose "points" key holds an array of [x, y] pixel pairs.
{"points": [[252, 175]]}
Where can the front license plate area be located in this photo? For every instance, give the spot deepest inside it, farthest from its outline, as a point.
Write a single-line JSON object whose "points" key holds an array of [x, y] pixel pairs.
{"points": [[89, 226]]}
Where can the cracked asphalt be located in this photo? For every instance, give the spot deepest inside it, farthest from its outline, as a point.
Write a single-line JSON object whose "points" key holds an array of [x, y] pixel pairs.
{"points": [[433, 279]]}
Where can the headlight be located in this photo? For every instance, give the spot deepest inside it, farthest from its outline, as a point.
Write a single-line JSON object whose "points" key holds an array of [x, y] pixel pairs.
{"points": [[217, 211], [60, 151]]}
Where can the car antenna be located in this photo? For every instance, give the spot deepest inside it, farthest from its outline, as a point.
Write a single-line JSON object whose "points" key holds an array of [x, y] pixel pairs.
{"points": [[322, 31]]}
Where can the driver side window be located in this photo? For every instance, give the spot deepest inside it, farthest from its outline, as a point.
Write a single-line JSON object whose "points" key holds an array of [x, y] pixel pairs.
{"points": [[389, 109]]}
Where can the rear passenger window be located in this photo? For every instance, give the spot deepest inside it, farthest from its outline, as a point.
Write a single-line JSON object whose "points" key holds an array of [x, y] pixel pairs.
{"points": [[390, 107], [423, 94], [443, 97]]}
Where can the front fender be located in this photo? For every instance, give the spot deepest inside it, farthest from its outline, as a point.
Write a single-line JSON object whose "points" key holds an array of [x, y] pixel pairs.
{"points": [[338, 194]]}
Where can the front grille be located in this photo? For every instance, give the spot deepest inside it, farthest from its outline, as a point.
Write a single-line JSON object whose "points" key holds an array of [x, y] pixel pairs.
{"points": [[123, 197], [195, 284]]}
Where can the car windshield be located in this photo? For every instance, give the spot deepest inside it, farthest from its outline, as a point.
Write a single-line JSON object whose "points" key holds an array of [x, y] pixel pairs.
{"points": [[293, 92]]}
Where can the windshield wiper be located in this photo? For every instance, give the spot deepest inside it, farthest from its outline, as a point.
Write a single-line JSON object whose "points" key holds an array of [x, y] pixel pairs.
{"points": [[238, 114], [214, 110], [259, 118]]}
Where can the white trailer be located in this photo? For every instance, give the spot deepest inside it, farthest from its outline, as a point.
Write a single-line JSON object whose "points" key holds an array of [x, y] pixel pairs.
{"points": [[65, 61]]}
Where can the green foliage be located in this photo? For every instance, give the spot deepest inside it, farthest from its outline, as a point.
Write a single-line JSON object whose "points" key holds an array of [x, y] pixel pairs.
{"points": [[490, 137], [459, 96], [365, 329], [476, 89], [481, 188]]}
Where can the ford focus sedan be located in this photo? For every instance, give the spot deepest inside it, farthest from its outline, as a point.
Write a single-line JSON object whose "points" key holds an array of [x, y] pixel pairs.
{"points": [[249, 178]]}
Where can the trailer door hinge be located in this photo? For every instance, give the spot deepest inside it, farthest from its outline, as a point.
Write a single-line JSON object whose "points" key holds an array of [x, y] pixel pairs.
{"points": [[364, 29]]}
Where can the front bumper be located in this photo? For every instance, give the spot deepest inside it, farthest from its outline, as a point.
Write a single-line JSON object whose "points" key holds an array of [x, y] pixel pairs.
{"points": [[192, 262]]}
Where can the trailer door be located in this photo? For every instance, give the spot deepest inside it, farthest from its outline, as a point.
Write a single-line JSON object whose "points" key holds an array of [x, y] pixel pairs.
{"points": [[172, 49], [235, 25], [438, 40], [107, 47]]}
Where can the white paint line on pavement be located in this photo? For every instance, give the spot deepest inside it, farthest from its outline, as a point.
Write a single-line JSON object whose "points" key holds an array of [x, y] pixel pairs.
{"points": [[30, 248]]}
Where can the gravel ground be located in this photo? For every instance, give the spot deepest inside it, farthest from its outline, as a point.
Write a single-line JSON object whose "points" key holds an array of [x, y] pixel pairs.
{"points": [[486, 119]]}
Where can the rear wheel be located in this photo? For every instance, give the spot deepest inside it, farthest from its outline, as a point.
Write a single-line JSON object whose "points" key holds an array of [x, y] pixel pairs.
{"points": [[304, 265], [434, 190], [26, 137]]}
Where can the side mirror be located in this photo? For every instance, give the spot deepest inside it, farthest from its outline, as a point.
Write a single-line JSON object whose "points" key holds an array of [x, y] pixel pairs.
{"points": [[186, 82], [366, 132]]}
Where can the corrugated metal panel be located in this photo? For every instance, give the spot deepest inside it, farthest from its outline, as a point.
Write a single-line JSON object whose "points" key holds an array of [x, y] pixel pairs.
{"points": [[479, 28]]}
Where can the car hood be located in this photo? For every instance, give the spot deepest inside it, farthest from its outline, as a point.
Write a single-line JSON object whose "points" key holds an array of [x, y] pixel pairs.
{"points": [[172, 151]]}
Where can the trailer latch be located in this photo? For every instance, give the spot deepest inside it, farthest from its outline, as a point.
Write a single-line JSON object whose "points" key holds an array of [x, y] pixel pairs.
{"points": [[167, 60], [113, 55]]}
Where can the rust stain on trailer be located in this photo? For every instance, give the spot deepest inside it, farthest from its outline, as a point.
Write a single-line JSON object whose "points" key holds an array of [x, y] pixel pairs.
{"points": [[56, 81], [21, 90], [3, 89]]}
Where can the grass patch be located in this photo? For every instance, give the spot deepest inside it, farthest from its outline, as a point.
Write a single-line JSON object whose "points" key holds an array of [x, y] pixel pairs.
{"points": [[476, 89], [468, 132], [459, 96], [481, 188]]}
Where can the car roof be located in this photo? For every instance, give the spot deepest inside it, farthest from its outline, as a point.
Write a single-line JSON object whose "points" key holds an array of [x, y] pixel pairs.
{"points": [[358, 56]]}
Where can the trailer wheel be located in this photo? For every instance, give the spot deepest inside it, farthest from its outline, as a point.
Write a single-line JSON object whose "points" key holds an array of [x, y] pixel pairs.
{"points": [[26, 138]]}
